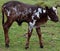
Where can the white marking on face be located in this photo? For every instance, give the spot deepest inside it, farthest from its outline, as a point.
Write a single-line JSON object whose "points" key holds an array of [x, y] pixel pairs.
{"points": [[8, 13], [26, 10], [4, 6], [44, 11], [31, 25], [49, 18], [54, 9]]}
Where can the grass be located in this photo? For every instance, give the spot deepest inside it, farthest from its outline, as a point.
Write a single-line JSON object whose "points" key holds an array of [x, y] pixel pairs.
{"points": [[50, 32]]}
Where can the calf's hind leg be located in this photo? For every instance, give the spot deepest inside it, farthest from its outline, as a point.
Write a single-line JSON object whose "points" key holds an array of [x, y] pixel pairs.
{"points": [[6, 27], [28, 38]]}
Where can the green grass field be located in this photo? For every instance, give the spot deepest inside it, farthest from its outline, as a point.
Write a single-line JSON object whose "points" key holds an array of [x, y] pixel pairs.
{"points": [[50, 32]]}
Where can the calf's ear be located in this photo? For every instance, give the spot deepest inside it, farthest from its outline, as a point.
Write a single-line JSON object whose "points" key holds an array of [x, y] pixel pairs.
{"points": [[57, 6], [46, 7]]}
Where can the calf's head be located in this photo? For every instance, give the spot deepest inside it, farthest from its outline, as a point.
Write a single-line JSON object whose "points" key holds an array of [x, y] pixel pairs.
{"points": [[52, 13]]}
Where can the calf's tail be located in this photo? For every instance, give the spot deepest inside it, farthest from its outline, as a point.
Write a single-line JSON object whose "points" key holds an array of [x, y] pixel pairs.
{"points": [[2, 17]]}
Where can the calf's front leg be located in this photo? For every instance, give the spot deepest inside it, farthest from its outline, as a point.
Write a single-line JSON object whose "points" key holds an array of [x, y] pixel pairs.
{"points": [[40, 36], [30, 29]]}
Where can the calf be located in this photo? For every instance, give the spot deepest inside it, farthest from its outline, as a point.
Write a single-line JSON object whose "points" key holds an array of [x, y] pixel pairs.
{"points": [[31, 14]]}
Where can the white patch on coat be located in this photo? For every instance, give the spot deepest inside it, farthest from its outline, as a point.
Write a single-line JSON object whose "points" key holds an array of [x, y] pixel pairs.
{"points": [[31, 25], [37, 14], [25, 12], [39, 10], [30, 10], [34, 11], [32, 17], [8, 13], [15, 9], [44, 11], [54, 9], [20, 13]]}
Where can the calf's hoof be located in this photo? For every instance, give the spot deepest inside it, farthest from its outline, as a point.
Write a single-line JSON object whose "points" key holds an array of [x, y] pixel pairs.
{"points": [[26, 47], [41, 46], [7, 46]]}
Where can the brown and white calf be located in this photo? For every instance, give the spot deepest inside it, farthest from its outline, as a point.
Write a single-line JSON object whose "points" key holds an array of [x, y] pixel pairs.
{"points": [[32, 14]]}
